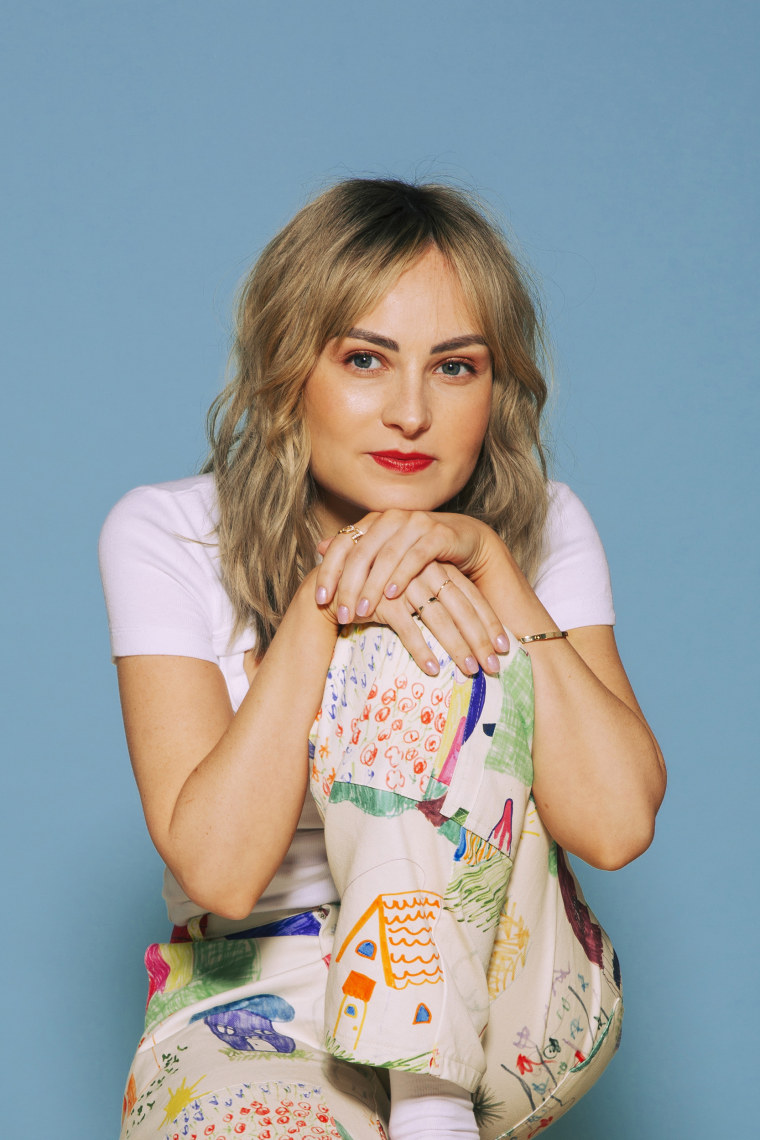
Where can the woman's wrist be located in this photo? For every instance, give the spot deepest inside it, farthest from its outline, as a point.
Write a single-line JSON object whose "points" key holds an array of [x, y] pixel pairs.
{"points": [[509, 592], [304, 601]]}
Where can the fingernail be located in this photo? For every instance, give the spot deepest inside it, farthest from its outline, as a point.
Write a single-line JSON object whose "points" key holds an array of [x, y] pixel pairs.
{"points": [[502, 643], [343, 615], [431, 667], [363, 608], [493, 663], [391, 591], [470, 664], [321, 595]]}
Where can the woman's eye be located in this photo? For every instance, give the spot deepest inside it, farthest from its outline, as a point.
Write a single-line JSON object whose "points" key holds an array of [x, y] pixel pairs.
{"points": [[456, 368], [364, 360]]}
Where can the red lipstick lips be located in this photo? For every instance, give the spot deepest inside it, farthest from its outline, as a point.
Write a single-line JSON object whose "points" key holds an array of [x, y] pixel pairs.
{"points": [[404, 462]]}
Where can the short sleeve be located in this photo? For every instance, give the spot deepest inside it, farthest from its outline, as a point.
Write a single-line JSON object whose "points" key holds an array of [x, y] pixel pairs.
{"points": [[159, 568], [573, 579]]}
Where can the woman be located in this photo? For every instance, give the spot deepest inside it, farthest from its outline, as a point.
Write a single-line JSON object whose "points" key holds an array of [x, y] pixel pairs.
{"points": [[384, 414]]}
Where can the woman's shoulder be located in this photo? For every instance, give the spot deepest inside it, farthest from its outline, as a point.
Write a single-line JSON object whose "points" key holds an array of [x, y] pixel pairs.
{"points": [[566, 517], [188, 504], [159, 562], [163, 527], [573, 579]]}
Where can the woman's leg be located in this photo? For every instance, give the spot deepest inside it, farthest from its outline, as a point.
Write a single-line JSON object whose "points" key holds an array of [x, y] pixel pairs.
{"points": [[423, 783], [556, 998], [233, 1045], [456, 908]]}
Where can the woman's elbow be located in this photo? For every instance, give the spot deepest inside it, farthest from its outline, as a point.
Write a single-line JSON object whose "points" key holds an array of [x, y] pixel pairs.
{"points": [[231, 903], [619, 843], [618, 851], [231, 908], [626, 838], [216, 894]]}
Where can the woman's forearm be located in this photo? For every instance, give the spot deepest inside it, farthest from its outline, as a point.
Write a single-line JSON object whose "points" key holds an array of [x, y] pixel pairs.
{"points": [[236, 812], [598, 773]]}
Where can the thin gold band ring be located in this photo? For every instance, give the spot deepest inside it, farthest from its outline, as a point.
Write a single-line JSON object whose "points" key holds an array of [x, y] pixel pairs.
{"points": [[446, 582]]}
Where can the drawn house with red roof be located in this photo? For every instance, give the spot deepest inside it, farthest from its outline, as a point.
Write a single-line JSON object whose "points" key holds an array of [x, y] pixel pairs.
{"points": [[388, 955]]}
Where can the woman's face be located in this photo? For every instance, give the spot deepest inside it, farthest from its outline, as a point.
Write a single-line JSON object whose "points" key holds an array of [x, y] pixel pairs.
{"points": [[397, 410]]}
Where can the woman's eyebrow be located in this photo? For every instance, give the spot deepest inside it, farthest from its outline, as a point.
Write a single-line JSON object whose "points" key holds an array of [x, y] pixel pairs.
{"points": [[374, 338], [393, 346], [457, 342]]}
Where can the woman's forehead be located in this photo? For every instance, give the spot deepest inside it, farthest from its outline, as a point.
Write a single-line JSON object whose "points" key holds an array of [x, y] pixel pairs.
{"points": [[428, 291]]}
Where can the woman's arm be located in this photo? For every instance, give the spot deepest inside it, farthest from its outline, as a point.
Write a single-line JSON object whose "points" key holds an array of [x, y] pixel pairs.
{"points": [[599, 774], [222, 793]]}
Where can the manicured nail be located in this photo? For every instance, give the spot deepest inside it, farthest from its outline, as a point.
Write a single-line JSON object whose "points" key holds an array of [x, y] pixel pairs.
{"points": [[493, 663], [391, 591], [502, 643], [363, 608], [321, 595], [470, 664], [431, 667], [343, 615]]}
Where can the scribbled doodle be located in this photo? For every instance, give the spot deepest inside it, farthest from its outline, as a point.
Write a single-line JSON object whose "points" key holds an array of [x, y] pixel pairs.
{"points": [[247, 1025]]}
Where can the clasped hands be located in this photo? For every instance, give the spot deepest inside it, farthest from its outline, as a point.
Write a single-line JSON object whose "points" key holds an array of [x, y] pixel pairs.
{"points": [[396, 566]]}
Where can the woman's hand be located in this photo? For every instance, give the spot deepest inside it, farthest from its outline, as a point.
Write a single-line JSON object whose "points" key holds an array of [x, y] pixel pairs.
{"points": [[454, 611], [406, 563], [394, 548]]}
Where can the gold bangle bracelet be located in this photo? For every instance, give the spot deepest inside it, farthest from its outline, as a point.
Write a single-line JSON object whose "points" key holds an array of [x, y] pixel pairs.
{"points": [[550, 636]]}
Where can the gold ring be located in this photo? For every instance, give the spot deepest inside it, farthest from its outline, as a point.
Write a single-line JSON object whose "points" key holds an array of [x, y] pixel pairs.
{"points": [[418, 611], [353, 532], [434, 598], [444, 583]]}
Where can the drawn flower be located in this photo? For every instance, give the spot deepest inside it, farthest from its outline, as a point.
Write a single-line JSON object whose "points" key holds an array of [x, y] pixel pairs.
{"points": [[368, 754]]}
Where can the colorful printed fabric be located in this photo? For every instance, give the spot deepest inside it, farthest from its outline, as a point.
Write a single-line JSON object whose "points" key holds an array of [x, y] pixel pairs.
{"points": [[462, 946], [233, 1041]]}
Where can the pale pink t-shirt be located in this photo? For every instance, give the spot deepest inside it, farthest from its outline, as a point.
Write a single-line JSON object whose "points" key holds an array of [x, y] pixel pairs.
{"points": [[164, 594]]}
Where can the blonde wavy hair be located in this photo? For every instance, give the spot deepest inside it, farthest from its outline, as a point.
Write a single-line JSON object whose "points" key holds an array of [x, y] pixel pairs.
{"points": [[333, 262]]}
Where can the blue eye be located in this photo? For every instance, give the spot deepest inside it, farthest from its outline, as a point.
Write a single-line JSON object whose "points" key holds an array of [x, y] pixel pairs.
{"points": [[456, 368], [364, 360]]}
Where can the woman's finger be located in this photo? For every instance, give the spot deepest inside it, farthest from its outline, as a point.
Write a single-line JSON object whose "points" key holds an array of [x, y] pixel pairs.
{"points": [[456, 581], [458, 629], [403, 544], [352, 554], [395, 614], [404, 557], [337, 552], [439, 542]]}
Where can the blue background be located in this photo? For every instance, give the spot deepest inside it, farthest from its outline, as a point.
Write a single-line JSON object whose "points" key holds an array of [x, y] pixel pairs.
{"points": [[149, 151]]}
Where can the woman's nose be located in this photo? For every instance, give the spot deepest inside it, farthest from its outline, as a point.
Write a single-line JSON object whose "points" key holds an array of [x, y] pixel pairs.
{"points": [[407, 406]]}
